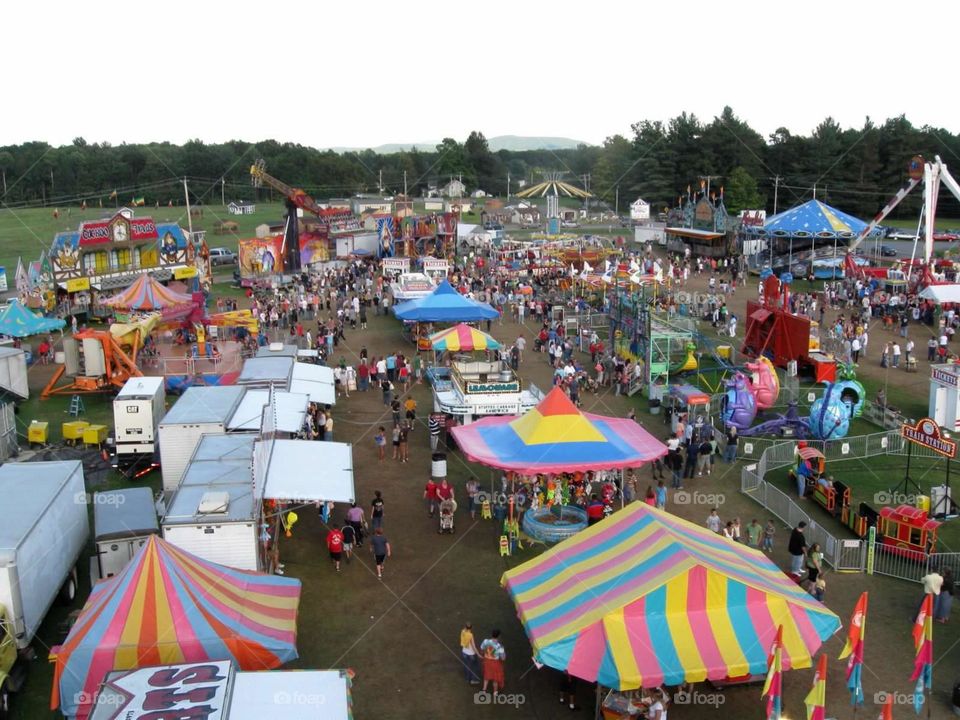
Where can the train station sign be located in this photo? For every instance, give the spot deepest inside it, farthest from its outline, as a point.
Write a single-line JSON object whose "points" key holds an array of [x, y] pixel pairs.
{"points": [[926, 433]]}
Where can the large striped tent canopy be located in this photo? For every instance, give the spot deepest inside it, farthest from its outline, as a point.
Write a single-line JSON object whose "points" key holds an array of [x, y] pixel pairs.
{"points": [[168, 606], [810, 219], [556, 437], [17, 321], [645, 598], [146, 293], [462, 337]]}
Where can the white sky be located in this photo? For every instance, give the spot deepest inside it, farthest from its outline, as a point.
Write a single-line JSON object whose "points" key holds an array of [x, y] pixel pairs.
{"points": [[372, 72]]}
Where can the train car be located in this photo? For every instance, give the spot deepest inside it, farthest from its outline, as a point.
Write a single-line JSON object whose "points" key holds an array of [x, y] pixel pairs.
{"points": [[907, 528]]}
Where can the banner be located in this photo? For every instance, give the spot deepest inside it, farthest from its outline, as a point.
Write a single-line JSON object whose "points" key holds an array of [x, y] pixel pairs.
{"points": [[385, 237], [78, 284], [118, 229], [185, 273], [261, 256]]}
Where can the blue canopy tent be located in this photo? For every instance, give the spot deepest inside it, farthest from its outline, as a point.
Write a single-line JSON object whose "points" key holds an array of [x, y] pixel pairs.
{"points": [[808, 226], [443, 305], [17, 321]]}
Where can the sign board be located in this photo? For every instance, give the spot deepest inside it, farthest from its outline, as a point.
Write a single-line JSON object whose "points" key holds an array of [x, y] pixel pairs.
{"points": [[396, 265], [944, 377], [118, 229], [181, 691], [435, 265], [3, 279], [78, 284], [926, 433], [493, 387], [184, 273], [511, 409]]}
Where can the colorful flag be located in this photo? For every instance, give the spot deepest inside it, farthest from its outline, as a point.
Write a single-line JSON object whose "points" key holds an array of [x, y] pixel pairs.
{"points": [[854, 649], [817, 697], [923, 643], [113, 195], [139, 202], [773, 687]]}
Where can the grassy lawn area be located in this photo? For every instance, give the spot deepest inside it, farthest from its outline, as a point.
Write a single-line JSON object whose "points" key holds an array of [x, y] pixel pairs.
{"points": [[873, 480]]}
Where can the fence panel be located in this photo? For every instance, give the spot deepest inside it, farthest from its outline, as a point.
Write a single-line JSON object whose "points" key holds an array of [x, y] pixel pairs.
{"points": [[851, 556], [899, 562]]}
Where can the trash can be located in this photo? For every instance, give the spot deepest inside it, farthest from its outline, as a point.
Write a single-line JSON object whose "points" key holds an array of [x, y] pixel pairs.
{"points": [[654, 407], [438, 465]]}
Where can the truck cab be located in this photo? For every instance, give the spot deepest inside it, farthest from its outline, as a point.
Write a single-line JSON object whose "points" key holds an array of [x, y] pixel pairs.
{"points": [[12, 673]]}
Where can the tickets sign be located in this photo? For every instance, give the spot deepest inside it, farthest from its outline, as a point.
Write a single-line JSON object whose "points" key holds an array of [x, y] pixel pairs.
{"points": [[927, 433]]}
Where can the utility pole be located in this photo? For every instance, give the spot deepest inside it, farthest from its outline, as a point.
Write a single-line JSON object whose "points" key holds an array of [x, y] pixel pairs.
{"points": [[586, 186], [814, 191], [508, 186], [51, 183], [186, 195], [404, 184], [223, 190], [617, 206], [776, 190], [380, 182]]}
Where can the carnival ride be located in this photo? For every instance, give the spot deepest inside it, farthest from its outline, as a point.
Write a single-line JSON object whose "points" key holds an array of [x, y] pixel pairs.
{"points": [[552, 188], [95, 362]]}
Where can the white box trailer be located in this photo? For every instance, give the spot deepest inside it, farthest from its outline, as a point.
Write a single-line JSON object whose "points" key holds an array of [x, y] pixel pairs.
{"points": [[200, 411], [43, 529], [137, 411], [123, 521], [214, 512]]}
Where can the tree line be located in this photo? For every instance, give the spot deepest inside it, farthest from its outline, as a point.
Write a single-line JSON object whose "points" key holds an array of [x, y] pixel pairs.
{"points": [[855, 169]]}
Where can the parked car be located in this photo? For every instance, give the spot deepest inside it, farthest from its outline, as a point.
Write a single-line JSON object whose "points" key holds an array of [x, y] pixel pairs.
{"points": [[222, 256], [902, 235], [887, 251], [946, 236]]}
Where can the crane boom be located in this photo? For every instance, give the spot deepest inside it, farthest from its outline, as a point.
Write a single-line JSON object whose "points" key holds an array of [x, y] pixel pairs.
{"points": [[259, 176]]}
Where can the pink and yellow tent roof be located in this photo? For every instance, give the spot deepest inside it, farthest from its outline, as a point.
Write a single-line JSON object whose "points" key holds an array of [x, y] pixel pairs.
{"points": [[168, 606], [645, 598], [146, 294], [556, 437], [462, 337]]}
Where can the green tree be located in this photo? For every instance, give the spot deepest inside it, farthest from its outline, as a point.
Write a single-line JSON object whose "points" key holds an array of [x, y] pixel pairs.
{"points": [[740, 191]]}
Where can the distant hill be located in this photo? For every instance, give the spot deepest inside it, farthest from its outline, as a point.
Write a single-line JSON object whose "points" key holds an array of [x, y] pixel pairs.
{"points": [[515, 143]]}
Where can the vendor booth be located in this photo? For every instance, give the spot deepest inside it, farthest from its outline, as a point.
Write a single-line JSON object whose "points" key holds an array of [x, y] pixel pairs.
{"points": [[444, 304], [160, 609], [645, 599]]}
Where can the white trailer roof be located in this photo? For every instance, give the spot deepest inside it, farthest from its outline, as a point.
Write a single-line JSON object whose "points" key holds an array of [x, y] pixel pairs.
{"points": [[204, 404], [291, 410], [322, 693], [265, 371], [140, 387], [308, 471], [221, 463], [125, 513], [27, 490], [315, 381]]}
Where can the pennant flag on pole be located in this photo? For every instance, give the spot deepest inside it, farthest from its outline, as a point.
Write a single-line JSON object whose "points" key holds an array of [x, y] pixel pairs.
{"points": [[817, 697], [113, 195], [923, 642], [886, 710], [773, 687], [854, 649], [139, 202]]}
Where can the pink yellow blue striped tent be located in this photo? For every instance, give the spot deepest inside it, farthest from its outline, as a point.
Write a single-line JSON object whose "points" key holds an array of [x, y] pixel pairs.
{"points": [[462, 337], [168, 606], [645, 598], [148, 294], [556, 437]]}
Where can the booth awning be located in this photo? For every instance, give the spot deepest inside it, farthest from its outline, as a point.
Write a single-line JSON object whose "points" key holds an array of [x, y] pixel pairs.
{"points": [[941, 294], [308, 471]]}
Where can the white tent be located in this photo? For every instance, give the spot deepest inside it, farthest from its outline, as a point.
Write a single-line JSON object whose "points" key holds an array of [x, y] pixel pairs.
{"points": [[315, 381], [941, 294], [291, 409], [305, 471]]}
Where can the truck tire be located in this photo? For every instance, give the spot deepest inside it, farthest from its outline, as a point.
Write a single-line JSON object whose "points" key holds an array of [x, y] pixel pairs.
{"points": [[68, 593], [4, 702]]}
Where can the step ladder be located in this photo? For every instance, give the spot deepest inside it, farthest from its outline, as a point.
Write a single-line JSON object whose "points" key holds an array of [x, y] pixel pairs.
{"points": [[76, 406]]}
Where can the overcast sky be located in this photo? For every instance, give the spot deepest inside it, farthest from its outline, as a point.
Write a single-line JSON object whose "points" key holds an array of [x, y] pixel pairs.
{"points": [[372, 72]]}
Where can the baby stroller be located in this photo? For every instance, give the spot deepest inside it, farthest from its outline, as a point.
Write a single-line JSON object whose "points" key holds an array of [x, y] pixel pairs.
{"points": [[447, 509]]}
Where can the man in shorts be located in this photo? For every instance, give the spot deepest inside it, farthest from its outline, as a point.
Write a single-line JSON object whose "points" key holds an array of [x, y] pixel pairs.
{"points": [[430, 495], [349, 540], [335, 546], [381, 550]]}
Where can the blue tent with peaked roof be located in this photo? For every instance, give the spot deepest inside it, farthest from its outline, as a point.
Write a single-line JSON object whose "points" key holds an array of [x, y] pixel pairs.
{"points": [[811, 219], [444, 304], [18, 321]]}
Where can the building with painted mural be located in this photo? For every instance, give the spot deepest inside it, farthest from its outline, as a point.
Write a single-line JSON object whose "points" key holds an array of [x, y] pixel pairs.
{"points": [[104, 256]]}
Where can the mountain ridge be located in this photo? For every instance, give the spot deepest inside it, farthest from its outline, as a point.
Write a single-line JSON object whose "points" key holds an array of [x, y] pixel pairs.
{"points": [[514, 143]]}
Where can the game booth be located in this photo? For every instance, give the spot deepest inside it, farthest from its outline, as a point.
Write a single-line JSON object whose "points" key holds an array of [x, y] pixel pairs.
{"points": [[159, 609], [645, 599]]}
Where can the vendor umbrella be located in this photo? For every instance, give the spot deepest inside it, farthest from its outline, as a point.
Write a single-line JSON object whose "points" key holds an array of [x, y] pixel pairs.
{"points": [[462, 338]]}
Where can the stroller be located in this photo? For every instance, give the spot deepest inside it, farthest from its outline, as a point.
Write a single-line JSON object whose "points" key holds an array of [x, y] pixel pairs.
{"points": [[447, 509]]}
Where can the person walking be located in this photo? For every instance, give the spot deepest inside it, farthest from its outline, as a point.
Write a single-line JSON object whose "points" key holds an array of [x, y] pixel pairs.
{"points": [[349, 539], [469, 655], [404, 438], [713, 521], [814, 564], [381, 441], [395, 440], [376, 510], [358, 521], [335, 546], [494, 657], [381, 549], [661, 491], [675, 464], [941, 606], [797, 547], [690, 466], [895, 353], [433, 427], [908, 352], [430, 496], [766, 544], [473, 490], [754, 531], [730, 449]]}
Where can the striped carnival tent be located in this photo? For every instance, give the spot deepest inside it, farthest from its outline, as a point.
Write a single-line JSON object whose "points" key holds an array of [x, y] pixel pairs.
{"points": [[147, 294], [556, 437], [462, 338], [168, 606], [645, 598]]}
